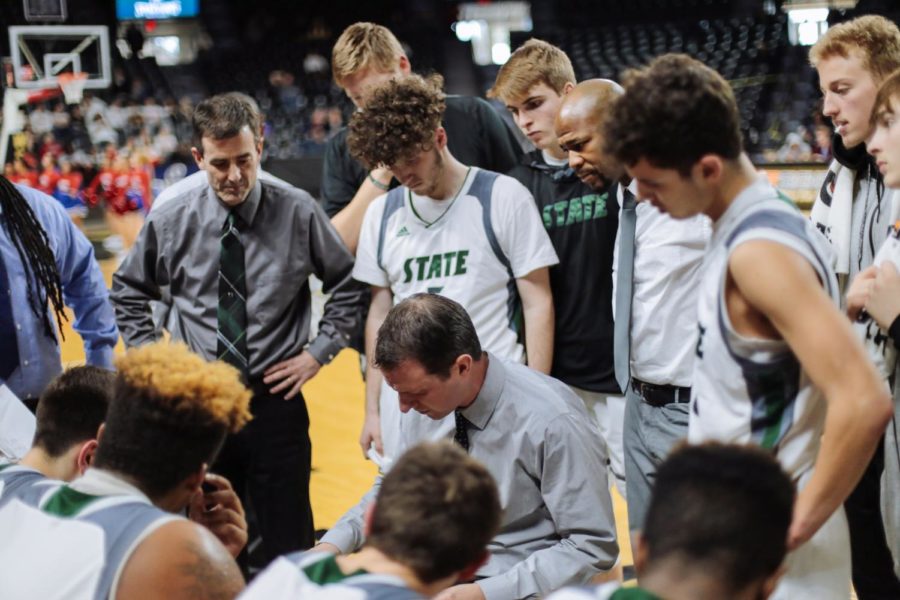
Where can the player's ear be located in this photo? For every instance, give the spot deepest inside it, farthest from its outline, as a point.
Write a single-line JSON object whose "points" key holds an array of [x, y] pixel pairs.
{"points": [[567, 88], [709, 168], [440, 138]]}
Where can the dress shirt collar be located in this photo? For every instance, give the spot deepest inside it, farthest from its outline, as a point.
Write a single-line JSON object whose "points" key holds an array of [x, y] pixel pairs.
{"points": [[480, 411], [246, 210]]}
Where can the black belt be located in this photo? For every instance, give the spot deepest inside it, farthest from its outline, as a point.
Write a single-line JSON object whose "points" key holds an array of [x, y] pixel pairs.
{"points": [[660, 395]]}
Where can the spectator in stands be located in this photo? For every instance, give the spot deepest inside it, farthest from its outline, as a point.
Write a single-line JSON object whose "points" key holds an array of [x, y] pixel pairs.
{"points": [[364, 56], [68, 192], [854, 213], [530, 431], [716, 528], [49, 174], [428, 528], [822, 148], [168, 417]]}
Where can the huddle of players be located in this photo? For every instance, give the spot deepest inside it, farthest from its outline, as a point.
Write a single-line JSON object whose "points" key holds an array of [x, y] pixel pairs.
{"points": [[765, 369]]}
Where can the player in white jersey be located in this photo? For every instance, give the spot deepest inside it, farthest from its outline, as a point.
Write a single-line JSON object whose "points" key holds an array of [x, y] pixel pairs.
{"points": [[472, 235], [69, 414], [115, 532], [777, 363], [429, 527]]}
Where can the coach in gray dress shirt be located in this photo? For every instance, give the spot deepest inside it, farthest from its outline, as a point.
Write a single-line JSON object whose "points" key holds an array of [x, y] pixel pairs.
{"points": [[267, 239], [531, 432]]}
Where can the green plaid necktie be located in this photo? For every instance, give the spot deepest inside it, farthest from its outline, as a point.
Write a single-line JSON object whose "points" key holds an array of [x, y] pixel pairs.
{"points": [[232, 309]]}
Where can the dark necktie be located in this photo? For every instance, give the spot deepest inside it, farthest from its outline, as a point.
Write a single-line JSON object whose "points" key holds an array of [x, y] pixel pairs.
{"points": [[624, 292], [461, 435], [9, 345], [232, 308]]}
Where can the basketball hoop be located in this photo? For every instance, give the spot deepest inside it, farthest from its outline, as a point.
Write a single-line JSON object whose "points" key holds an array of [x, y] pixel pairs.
{"points": [[72, 85]]}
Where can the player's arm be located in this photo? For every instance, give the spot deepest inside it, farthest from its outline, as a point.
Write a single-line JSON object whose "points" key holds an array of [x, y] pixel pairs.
{"points": [[537, 310], [382, 300], [180, 560], [783, 286], [348, 221]]}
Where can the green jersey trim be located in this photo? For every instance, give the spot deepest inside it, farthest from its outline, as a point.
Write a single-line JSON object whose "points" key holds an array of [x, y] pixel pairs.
{"points": [[67, 502], [327, 571]]}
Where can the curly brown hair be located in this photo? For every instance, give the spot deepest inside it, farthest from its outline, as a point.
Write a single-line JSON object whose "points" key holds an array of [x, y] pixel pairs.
{"points": [[673, 112], [399, 121]]}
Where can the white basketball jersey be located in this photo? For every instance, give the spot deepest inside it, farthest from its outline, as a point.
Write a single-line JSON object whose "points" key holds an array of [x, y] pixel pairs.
{"points": [[488, 236], [755, 390]]}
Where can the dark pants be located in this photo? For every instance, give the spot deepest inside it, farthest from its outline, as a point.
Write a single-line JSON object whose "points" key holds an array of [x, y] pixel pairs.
{"points": [[268, 463], [873, 568]]}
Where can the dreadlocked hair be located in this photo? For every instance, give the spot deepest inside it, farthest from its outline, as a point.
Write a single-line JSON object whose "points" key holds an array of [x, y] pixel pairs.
{"points": [[33, 246]]}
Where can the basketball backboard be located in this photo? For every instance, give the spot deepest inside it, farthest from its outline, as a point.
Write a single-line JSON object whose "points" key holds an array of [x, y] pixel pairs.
{"points": [[40, 53]]}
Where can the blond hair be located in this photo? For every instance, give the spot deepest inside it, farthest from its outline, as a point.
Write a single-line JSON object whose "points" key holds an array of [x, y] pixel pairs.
{"points": [[535, 61], [182, 381], [876, 38], [361, 46]]}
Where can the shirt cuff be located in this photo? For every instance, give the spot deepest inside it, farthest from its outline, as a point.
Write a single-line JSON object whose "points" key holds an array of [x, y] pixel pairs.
{"points": [[100, 357], [894, 331], [342, 537], [324, 349]]}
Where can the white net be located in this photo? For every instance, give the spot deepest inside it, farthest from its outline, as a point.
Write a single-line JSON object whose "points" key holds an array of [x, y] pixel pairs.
{"points": [[72, 85]]}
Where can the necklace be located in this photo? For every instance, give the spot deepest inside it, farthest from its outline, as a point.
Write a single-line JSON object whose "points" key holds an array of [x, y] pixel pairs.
{"points": [[446, 210]]}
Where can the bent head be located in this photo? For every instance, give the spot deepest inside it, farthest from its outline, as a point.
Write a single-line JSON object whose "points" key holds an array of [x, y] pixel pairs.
{"points": [[169, 415], [69, 414], [531, 84], [401, 129], [579, 130], [228, 145], [436, 511], [427, 349], [718, 512], [660, 130]]}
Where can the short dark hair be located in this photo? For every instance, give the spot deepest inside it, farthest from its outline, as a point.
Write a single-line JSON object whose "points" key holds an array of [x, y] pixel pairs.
{"points": [[436, 511], [169, 414], [430, 329], [673, 112], [72, 408], [723, 508], [399, 121], [223, 116]]}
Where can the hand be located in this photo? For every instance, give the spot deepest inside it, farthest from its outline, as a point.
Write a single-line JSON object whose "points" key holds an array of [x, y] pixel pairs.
{"points": [[325, 547], [292, 373], [884, 297], [465, 591], [371, 432], [221, 512], [859, 291]]}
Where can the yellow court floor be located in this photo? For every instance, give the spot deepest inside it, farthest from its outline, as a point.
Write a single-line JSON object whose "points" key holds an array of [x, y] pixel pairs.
{"points": [[341, 475]]}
